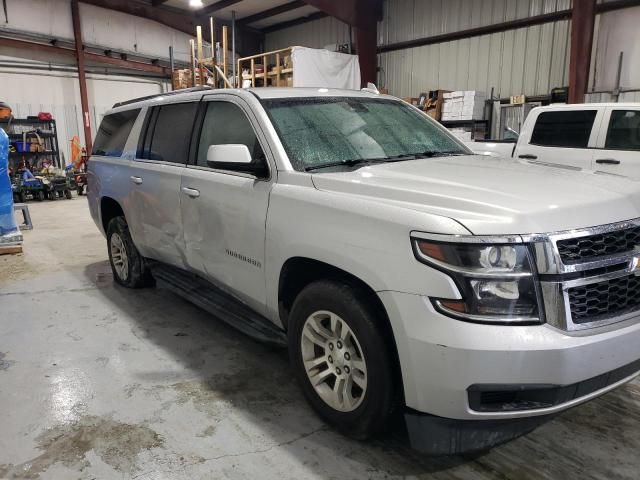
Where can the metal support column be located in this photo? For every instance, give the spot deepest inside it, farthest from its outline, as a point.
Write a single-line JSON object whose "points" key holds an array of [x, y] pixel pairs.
{"points": [[82, 79], [583, 19], [233, 50]]}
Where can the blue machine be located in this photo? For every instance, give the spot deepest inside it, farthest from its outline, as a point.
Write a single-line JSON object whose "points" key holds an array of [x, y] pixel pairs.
{"points": [[7, 219]]}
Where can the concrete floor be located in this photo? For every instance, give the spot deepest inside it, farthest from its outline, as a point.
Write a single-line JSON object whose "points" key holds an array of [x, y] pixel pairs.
{"points": [[97, 381]]}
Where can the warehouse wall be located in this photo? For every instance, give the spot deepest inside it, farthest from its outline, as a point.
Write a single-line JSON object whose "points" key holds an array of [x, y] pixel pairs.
{"points": [[316, 34], [100, 27], [29, 92], [530, 60]]}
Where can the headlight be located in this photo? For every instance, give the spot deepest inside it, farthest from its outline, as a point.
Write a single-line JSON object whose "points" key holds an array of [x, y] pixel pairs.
{"points": [[496, 280]]}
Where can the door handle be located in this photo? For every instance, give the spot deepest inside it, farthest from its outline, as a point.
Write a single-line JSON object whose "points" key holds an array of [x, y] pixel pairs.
{"points": [[192, 192], [608, 161], [136, 180], [528, 157]]}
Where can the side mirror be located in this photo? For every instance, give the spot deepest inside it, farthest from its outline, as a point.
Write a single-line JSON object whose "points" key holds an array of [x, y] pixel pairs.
{"points": [[231, 153], [235, 157]]}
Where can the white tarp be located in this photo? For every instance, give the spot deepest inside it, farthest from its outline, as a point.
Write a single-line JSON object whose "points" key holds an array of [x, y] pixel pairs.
{"points": [[324, 69]]}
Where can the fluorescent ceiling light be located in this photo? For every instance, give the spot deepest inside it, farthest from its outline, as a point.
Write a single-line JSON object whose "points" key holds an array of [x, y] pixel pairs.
{"points": [[195, 3]]}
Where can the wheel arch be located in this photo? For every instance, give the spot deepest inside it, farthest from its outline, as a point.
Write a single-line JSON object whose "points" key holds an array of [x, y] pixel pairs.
{"points": [[298, 272], [109, 209]]}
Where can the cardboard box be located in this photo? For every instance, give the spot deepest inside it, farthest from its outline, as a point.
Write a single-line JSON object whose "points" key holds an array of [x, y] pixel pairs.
{"points": [[182, 79], [411, 100]]}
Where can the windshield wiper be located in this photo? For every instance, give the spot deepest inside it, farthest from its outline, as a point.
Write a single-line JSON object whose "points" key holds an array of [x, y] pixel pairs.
{"points": [[346, 163], [432, 153], [391, 158]]}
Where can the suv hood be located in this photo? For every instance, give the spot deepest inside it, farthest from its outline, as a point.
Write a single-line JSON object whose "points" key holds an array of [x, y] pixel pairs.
{"points": [[492, 196]]}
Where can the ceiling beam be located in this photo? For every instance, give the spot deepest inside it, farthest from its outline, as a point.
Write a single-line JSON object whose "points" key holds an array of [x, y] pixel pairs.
{"points": [[357, 13], [157, 3], [294, 22], [214, 7], [272, 12], [179, 21], [89, 57]]}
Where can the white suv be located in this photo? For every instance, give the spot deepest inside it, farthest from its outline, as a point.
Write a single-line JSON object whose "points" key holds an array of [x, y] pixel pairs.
{"points": [[478, 296]]}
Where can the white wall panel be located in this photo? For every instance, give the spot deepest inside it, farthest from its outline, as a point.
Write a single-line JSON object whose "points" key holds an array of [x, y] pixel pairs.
{"points": [[100, 27]]}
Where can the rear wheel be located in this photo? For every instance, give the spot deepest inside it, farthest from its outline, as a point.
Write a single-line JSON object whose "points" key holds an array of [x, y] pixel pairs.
{"points": [[80, 190], [340, 357], [127, 265], [67, 194], [40, 195]]}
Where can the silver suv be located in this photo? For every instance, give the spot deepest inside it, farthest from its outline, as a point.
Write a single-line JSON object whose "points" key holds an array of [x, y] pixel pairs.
{"points": [[477, 296]]}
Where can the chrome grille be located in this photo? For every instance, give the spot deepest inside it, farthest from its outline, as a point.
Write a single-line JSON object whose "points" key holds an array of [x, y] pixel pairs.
{"points": [[580, 249], [589, 277], [598, 301]]}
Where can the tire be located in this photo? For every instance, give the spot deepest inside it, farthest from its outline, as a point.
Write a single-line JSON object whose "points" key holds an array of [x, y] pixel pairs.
{"points": [[68, 195], [127, 265], [52, 195], [367, 410], [40, 195], [80, 189]]}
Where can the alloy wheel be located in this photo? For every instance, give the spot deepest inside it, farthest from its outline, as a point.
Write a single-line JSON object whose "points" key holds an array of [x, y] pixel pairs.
{"points": [[119, 257], [334, 361]]}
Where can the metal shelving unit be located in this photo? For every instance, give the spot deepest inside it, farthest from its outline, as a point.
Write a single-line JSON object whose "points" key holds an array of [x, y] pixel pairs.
{"points": [[47, 131], [479, 128]]}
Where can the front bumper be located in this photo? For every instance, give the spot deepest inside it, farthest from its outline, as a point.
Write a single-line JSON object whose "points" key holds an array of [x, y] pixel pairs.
{"points": [[441, 358]]}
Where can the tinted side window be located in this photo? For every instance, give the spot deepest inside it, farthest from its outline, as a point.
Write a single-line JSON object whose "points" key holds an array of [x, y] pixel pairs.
{"points": [[624, 130], [169, 132], [225, 123], [564, 129], [113, 133]]}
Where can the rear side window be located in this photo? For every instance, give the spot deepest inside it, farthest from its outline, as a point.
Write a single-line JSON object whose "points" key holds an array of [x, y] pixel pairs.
{"points": [[168, 132], [569, 129], [624, 130], [113, 133]]}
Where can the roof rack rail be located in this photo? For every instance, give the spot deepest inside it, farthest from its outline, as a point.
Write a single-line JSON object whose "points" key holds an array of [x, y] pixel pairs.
{"points": [[168, 94]]}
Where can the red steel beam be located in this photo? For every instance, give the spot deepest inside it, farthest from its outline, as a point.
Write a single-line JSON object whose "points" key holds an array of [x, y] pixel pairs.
{"points": [[367, 53], [583, 19], [82, 78], [91, 57]]}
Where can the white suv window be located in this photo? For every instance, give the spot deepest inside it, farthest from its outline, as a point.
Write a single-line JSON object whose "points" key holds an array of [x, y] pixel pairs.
{"points": [[624, 130], [568, 129]]}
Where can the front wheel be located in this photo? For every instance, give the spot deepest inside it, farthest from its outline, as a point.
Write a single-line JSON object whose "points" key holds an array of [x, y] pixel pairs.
{"points": [[340, 357], [127, 264]]}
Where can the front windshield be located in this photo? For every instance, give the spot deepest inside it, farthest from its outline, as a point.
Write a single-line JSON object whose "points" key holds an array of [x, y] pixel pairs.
{"points": [[330, 131]]}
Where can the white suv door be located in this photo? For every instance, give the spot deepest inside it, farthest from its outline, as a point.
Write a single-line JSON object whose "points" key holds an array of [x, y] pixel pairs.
{"points": [[224, 205], [565, 136], [619, 143], [155, 177]]}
